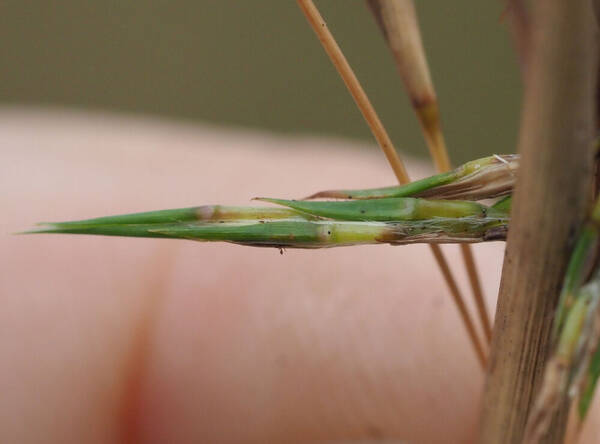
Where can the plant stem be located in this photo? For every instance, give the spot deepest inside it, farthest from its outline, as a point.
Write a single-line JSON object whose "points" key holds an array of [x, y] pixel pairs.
{"points": [[471, 267], [354, 87], [520, 27], [345, 71], [398, 22], [460, 305], [556, 147]]}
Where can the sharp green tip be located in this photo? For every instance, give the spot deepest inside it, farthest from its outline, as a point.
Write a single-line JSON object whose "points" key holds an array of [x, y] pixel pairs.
{"points": [[283, 202], [45, 227]]}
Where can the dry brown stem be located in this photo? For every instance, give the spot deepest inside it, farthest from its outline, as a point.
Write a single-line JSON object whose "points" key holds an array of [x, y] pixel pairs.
{"points": [[520, 27], [354, 87], [556, 147], [398, 22]]}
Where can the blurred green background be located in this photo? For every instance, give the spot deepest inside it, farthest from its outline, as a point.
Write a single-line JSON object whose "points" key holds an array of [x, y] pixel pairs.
{"points": [[257, 64]]}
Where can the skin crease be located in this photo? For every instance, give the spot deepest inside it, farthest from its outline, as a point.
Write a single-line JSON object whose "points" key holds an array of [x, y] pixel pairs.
{"points": [[151, 341]]}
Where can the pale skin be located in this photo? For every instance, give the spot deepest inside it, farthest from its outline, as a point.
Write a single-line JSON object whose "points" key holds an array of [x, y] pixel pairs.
{"points": [[143, 340]]}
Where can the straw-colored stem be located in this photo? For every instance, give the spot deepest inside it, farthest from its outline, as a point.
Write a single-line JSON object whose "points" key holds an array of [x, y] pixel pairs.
{"points": [[520, 24], [358, 94], [478, 293], [550, 202], [460, 304], [347, 74], [398, 22]]}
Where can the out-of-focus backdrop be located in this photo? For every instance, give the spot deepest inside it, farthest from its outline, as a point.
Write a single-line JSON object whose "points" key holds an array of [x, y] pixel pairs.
{"points": [[257, 64]]}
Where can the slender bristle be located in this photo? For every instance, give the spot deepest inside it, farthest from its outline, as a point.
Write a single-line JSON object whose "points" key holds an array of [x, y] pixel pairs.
{"points": [[398, 21], [363, 103]]}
